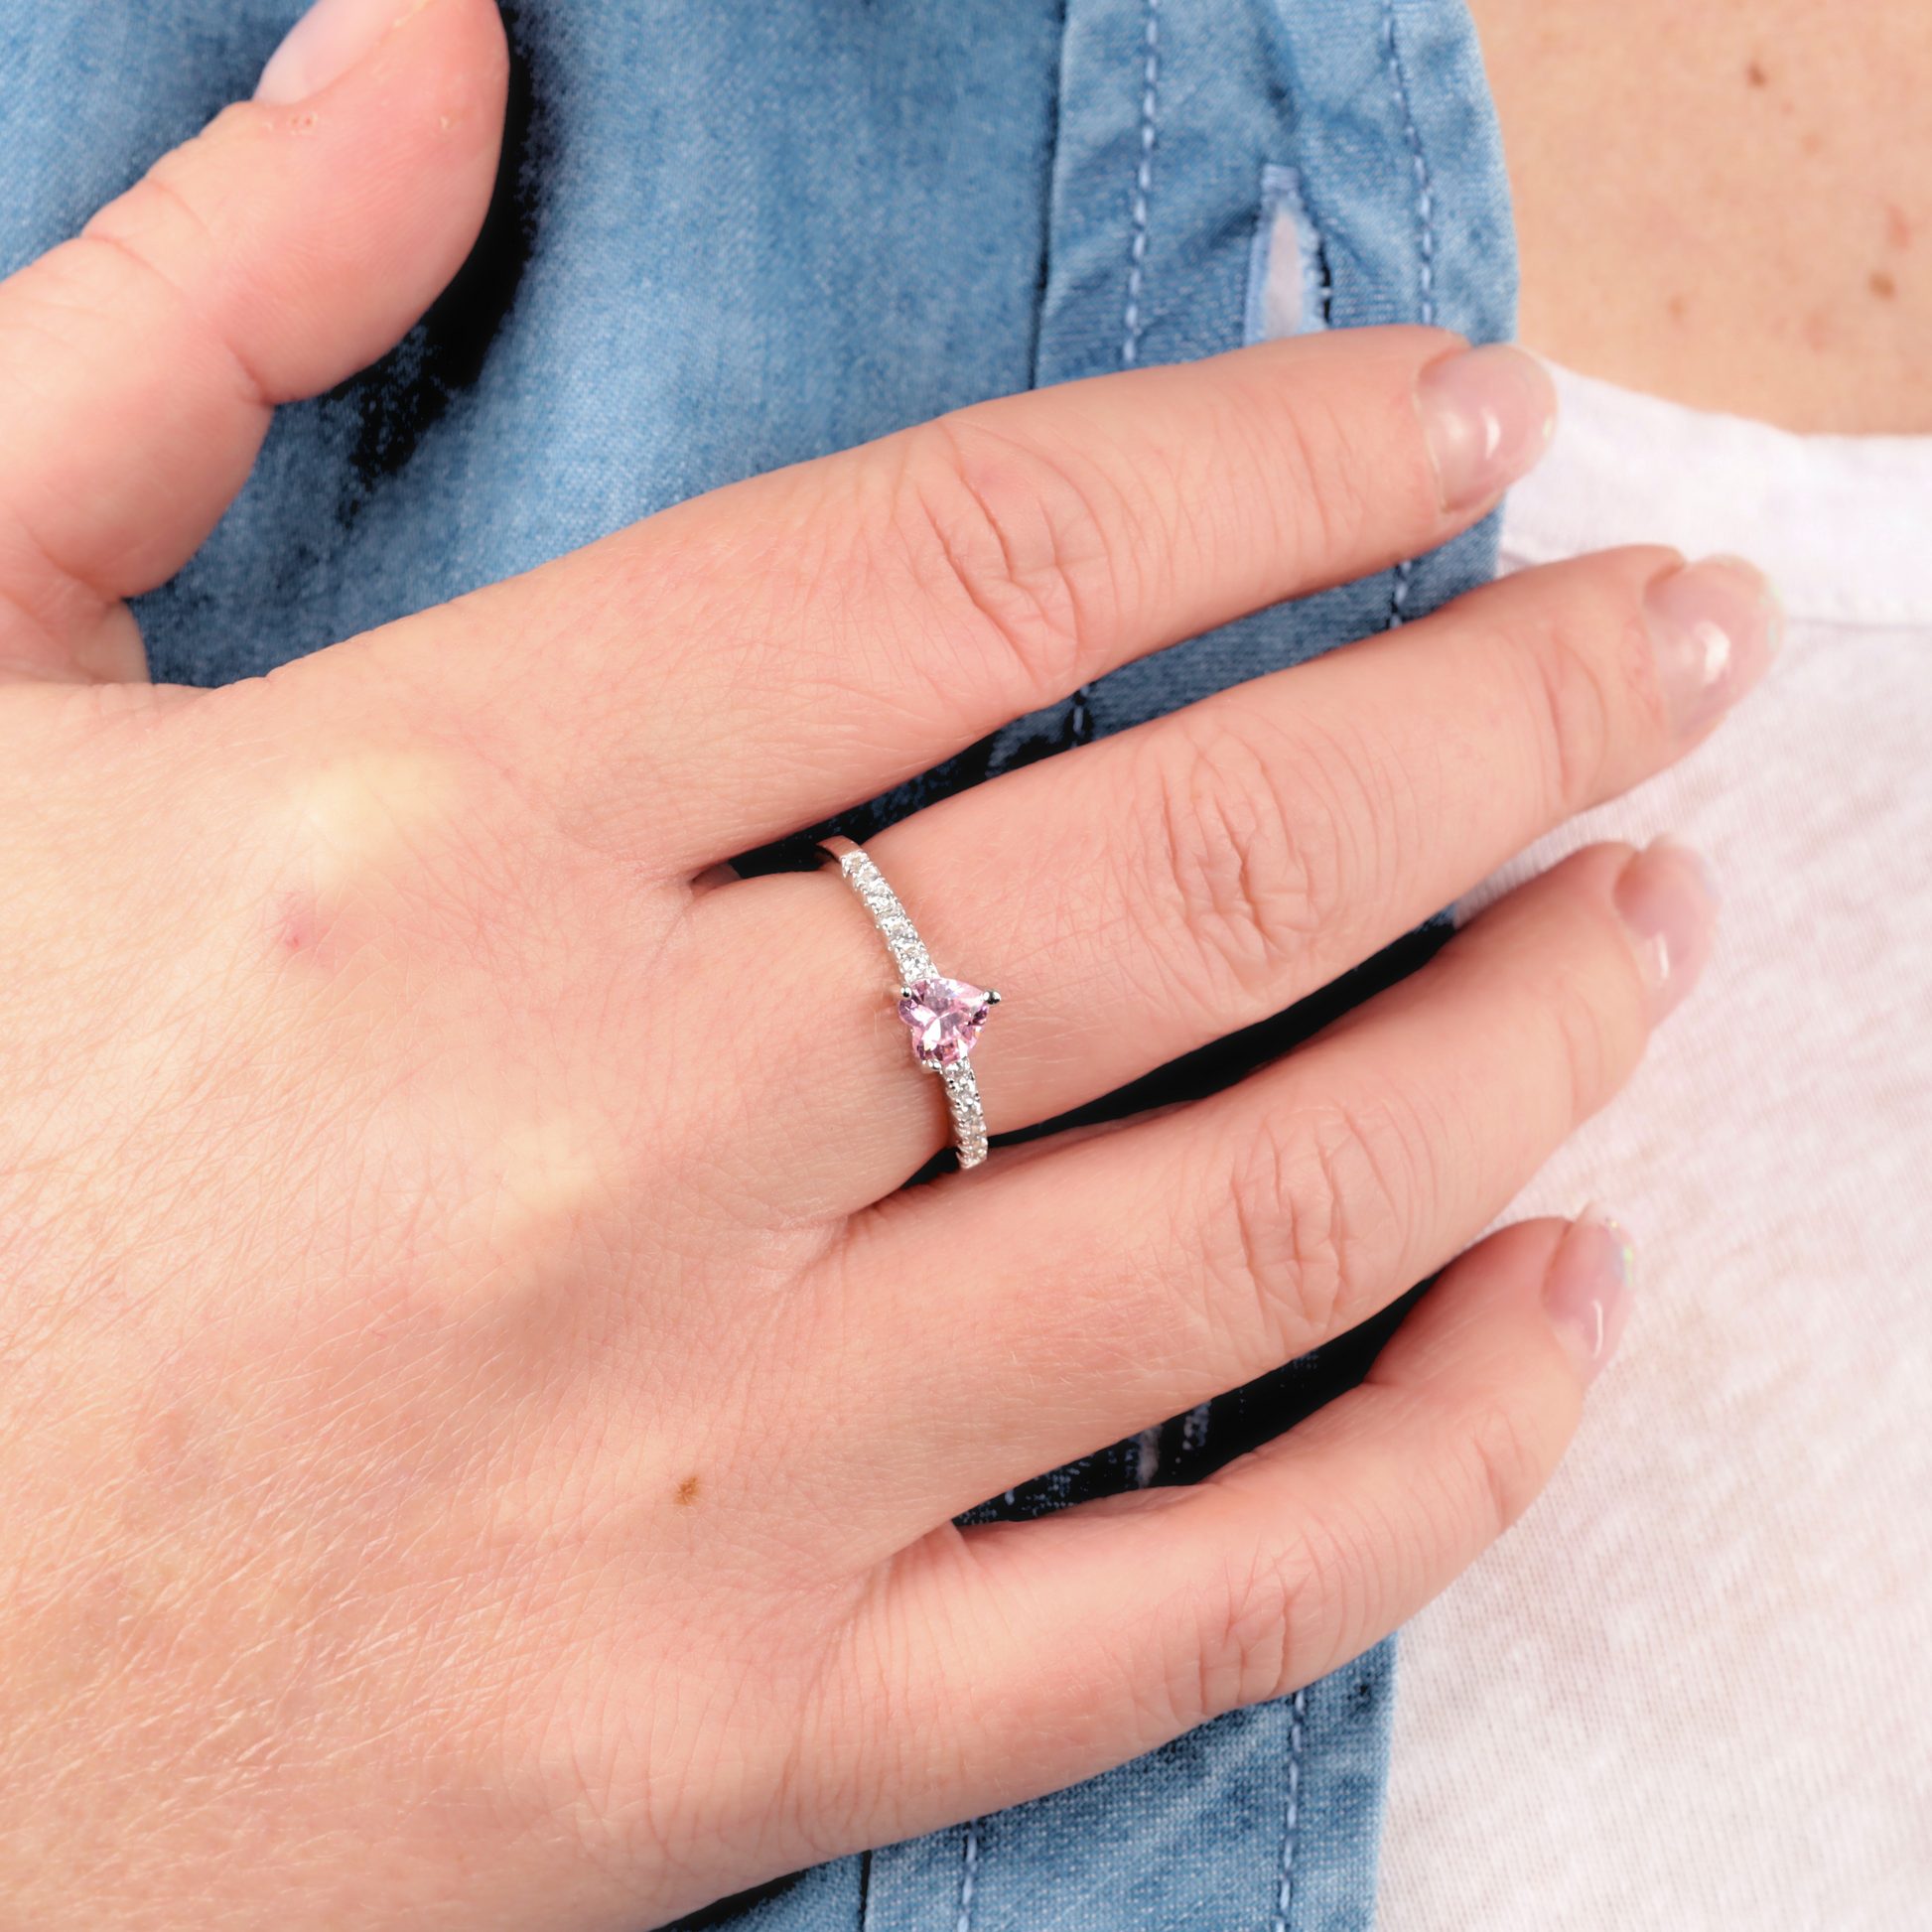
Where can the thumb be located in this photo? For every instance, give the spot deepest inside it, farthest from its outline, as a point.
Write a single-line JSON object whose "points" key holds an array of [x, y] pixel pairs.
{"points": [[291, 244]]}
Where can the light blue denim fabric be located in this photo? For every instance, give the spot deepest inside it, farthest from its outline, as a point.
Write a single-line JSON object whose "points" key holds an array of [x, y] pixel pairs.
{"points": [[734, 234]]}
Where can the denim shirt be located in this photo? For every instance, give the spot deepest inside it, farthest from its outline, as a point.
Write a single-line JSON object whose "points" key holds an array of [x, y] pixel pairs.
{"points": [[731, 235]]}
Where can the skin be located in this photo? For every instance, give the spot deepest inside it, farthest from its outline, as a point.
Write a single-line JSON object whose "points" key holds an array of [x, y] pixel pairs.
{"points": [[471, 1460], [1729, 204]]}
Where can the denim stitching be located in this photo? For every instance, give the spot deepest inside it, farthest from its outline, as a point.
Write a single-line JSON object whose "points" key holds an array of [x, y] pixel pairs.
{"points": [[1285, 1900], [1130, 347], [968, 1874], [1079, 717], [1426, 215]]}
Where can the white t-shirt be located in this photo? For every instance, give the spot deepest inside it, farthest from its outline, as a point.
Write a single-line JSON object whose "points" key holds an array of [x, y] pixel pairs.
{"points": [[1693, 1688]]}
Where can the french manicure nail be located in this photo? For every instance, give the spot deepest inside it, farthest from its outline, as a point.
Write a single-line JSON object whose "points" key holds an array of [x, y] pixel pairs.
{"points": [[1715, 626], [325, 44], [1487, 416], [1667, 897], [1589, 1288]]}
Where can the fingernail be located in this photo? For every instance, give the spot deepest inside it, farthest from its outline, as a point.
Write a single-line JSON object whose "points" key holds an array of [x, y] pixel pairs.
{"points": [[1668, 900], [1715, 626], [1589, 1288], [325, 44], [1487, 416]]}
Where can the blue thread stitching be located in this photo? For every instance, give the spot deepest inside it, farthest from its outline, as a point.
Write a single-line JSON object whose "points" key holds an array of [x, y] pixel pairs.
{"points": [[1425, 196], [1079, 717], [1399, 596], [967, 1876], [1426, 215], [1130, 347], [1298, 1711]]}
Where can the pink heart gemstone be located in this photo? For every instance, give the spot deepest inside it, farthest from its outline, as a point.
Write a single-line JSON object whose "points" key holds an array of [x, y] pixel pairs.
{"points": [[945, 1018]]}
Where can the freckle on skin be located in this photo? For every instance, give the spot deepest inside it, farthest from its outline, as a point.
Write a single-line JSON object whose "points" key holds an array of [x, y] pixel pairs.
{"points": [[687, 1492], [1756, 77], [1882, 285], [1899, 230], [1677, 308]]}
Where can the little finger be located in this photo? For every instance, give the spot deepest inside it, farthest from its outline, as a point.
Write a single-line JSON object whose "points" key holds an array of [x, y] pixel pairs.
{"points": [[1076, 1642]]}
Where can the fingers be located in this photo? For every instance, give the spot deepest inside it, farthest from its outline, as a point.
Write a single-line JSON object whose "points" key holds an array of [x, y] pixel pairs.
{"points": [[1094, 1290], [290, 244], [749, 662], [1083, 1639], [1178, 883]]}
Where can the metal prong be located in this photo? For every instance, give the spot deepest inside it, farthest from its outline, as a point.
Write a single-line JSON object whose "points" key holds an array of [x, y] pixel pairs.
{"points": [[992, 999], [905, 993]]}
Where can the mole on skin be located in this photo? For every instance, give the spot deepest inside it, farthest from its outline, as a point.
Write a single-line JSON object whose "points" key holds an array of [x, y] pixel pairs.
{"points": [[687, 1492]]}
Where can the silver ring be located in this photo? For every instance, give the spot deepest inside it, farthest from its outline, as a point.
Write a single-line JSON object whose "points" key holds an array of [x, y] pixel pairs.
{"points": [[944, 1016]]}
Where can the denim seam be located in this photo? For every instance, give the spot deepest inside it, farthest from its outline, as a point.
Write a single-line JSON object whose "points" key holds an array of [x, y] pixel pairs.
{"points": [[968, 1874], [1298, 1711], [1079, 717], [1426, 275], [1130, 347]]}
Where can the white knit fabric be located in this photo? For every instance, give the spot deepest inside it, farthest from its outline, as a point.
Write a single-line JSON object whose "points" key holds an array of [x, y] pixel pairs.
{"points": [[1691, 1690]]}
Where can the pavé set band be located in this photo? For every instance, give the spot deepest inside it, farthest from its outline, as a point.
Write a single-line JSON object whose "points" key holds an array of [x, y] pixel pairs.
{"points": [[944, 1016]]}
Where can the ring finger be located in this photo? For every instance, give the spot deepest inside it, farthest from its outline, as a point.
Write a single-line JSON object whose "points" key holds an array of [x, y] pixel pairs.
{"points": [[1148, 894]]}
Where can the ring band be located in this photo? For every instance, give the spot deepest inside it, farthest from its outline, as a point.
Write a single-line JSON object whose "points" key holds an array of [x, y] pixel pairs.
{"points": [[943, 1015]]}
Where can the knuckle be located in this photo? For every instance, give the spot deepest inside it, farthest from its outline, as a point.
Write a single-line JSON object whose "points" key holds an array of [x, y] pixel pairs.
{"points": [[159, 220], [1575, 707], [1244, 874], [1271, 1622], [1592, 1048], [372, 845], [1245, 1643], [1333, 504], [1597, 714], [996, 529], [1508, 1469], [1307, 1232], [149, 253]]}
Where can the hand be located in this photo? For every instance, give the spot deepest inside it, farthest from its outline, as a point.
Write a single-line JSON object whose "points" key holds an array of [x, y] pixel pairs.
{"points": [[481, 1425]]}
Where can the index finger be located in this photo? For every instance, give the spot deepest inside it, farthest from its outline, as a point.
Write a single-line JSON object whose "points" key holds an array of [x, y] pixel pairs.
{"points": [[756, 659]]}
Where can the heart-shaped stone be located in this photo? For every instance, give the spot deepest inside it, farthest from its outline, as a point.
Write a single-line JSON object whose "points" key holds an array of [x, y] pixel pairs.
{"points": [[944, 1018]]}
